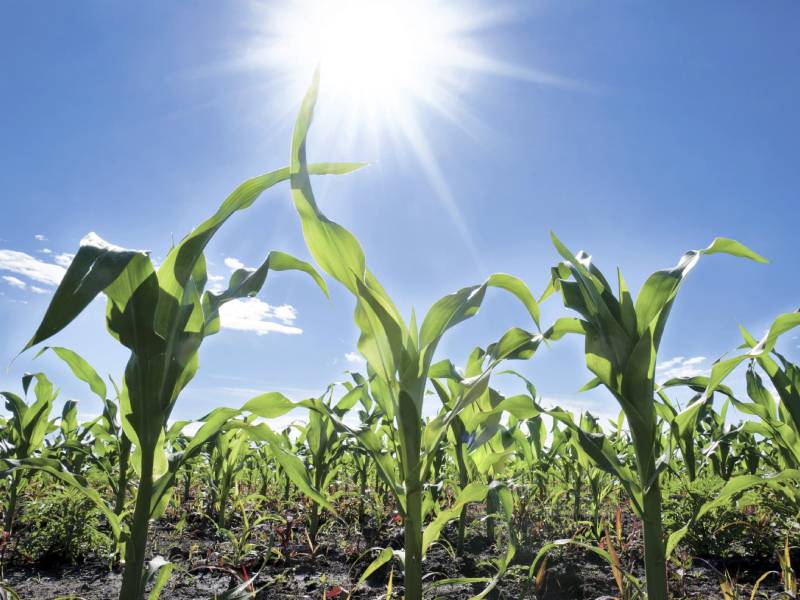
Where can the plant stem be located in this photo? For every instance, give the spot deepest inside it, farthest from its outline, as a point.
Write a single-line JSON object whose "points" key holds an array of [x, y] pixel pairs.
{"points": [[11, 507], [313, 526], [122, 481], [132, 579], [413, 544], [463, 480], [491, 509], [655, 562]]}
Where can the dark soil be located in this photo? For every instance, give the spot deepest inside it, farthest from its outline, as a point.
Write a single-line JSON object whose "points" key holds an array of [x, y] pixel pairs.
{"points": [[205, 569]]}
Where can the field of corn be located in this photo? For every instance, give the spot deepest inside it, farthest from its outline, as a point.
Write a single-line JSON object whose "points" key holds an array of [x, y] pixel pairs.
{"points": [[495, 497]]}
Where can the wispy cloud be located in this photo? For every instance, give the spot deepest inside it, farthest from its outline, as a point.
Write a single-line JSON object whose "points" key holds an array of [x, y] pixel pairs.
{"points": [[14, 282], [39, 237], [254, 315], [46, 251], [680, 366], [355, 357], [38, 290], [30, 267], [233, 263], [63, 259]]}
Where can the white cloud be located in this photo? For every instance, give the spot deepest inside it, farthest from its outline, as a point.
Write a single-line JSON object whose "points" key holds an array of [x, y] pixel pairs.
{"points": [[46, 251], [14, 282], [681, 367], [252, 314], [63, 259], [355, 357], [38, 290], [233, 263], [39, 237], [28, 266], [216, 283], [285, 312]]}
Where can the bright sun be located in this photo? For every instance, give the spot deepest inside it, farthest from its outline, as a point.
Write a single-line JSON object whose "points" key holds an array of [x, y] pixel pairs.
{"points": [[380, 59], [383, 62], [376, 51]]}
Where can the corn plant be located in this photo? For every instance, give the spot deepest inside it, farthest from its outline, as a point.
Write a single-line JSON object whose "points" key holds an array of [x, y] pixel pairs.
{"points": [[399, 355], [25, 435], [621, 345], [478, 442], [162, 317], [112, 447], [228, 449], [323, 446], [779, 421]]}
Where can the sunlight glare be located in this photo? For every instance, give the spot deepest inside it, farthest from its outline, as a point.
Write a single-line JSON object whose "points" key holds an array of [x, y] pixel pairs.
{"points": [[379, 58], [383, 63]]}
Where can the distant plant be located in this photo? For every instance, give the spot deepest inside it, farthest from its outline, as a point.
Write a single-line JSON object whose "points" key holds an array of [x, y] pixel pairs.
{"points": [[61, 524]]}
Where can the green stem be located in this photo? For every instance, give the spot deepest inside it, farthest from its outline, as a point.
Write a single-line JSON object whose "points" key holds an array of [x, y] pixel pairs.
{"points": [[413, 545], [223, 503], [491, 509], [187, 484], [655, 563], [463, 480], [362, 493], [133, 579], [11, 506], [122, 480]]}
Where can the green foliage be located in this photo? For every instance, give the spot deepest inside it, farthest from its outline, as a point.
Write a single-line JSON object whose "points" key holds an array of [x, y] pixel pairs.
{"points": [[61, 524], [548, 477], [751, 527]]}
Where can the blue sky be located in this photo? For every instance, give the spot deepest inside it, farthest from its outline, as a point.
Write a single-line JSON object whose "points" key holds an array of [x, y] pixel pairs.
{"points": [[673, 124]]}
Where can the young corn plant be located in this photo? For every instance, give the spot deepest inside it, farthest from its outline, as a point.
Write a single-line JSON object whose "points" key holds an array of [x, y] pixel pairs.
{"points": [[162, 317], [323, 446], [622, 337], [228, 449], [111, 446], [399, 355], [25, 436], [477, 440]]}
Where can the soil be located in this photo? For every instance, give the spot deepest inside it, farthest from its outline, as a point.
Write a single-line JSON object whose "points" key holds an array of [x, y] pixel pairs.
{"points": [[205, 568]]}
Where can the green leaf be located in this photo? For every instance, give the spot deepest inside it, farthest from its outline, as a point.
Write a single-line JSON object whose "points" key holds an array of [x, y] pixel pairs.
{"points": [[292, 466], [76, 482], [384, 556], [80, 368], [270, 405], [517, 287], [474, 492], [723, 245], [735, 485], [158, 571], [96, 265], [246, 283], [174, 273]]}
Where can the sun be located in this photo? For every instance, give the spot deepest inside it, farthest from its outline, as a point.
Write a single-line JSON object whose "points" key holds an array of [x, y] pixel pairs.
{"points": [[382, 61], [376, 52], [384, 64]]}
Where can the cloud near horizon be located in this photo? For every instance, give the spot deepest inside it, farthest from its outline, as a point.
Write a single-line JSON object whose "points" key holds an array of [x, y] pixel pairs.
{"points": [[14, 282], [255, 315], [680, 366], [26, 265], [355, 357], [233, 263]]}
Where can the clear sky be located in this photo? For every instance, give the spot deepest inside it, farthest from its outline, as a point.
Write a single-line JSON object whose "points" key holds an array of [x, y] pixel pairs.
{"points": [[648, 129]]}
